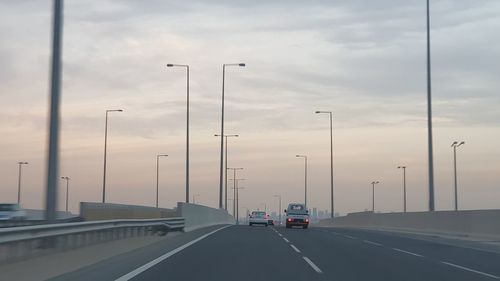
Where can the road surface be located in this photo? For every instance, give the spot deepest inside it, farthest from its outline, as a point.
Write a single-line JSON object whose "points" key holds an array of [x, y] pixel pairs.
{"points": [[276, 253]]}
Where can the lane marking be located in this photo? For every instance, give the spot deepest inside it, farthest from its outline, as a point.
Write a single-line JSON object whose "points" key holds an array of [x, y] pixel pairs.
{"points": [[280, 235], [471, 270], [406, 252], [371, 242], [295, 248], [315, 267], [350, 237], [156, 261], [286, 240]]}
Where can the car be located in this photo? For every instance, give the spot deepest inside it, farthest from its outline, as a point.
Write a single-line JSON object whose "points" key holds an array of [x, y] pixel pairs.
{"points": [[258, 217], [11, 211], [297, 215]]}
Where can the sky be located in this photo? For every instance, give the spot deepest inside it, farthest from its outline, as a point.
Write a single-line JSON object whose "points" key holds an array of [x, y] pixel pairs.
{"points": [[363, 60]]}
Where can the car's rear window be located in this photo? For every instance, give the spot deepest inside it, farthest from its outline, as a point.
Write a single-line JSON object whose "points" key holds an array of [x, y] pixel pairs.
{"points": [[259, 214]]}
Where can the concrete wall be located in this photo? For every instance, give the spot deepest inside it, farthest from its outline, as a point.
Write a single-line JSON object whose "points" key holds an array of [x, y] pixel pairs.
{"points": [[198, 216], [91, 211], [476, 223]]}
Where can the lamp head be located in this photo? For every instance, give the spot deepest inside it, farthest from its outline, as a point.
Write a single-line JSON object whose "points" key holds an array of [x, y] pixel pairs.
{"points": [[169, 65], [241, 65]]}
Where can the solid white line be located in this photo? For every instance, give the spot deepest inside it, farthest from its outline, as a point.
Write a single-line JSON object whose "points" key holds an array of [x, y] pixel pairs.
{"points": [[373, 243], [350, 237], [406, 252], [286, 240], [154, 262], [471, 270], [316, 268], [295, 248]]}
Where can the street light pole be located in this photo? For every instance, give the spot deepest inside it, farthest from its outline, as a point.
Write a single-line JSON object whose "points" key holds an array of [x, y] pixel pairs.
{"points": [[429, 114], [67, 190], [331, 161], [19, 182], [305, 177], [404, 186], [105, 152], [279, 208], [373, 195], [236, 199], [225, 174], [221, 170], [158, 174], [455, 145], [187, 125], [234, 186], [194, 197]]}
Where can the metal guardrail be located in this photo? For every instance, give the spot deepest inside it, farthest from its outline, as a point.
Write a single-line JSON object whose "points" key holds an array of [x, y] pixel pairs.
{"points": [[16, 223], [26, 241]]}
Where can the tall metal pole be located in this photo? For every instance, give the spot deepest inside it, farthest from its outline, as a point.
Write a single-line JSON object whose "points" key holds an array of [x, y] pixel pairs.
{"points": [[237, 203], [158, 175], [455, 145], [105, 152], [53, 149], [221, 170], [222, 138], [225, 180], [373, 195], [404, 187], [429, 114], [19, 182], [331, 166], [305, 177], [67, 190]]}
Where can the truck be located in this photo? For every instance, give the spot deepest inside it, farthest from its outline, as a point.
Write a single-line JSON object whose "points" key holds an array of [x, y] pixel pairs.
{"points": [[297, 215]]}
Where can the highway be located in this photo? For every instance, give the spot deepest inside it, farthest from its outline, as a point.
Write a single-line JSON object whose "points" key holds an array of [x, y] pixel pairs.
{"points": [[277, 253]]}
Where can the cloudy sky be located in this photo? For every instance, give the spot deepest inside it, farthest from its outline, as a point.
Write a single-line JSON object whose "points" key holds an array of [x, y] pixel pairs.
{"points": [[364, 60]]}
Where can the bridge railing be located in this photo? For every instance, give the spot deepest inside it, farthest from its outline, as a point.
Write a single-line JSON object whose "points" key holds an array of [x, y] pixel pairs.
{"points": [[27, 241]]}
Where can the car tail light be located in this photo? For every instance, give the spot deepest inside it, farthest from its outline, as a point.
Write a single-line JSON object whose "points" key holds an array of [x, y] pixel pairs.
{"points": [[289, 219], [307, 220]]}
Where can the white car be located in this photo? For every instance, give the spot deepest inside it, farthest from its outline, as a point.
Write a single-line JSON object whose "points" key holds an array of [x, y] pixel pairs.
{"points": [[11, 211], [258, 217]]}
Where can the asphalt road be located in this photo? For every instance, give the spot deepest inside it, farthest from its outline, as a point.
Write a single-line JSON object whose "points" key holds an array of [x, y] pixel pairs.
{"points": [[277, 253]]}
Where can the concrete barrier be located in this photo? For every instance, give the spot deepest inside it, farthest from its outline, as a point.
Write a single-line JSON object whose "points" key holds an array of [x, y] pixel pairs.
{"points": [[198, 216], [91, 211], [475, 223]]}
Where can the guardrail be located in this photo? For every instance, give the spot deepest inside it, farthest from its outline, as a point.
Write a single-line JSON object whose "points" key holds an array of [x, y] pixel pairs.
{"points": [[17, 223], [27, 241]]}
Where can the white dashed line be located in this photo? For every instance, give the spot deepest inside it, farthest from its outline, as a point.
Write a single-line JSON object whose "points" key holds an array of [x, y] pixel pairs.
{"points": [[371, 242], [316, 268], [471, 270], [406, 252], [295, 248], [286, 240], [350, 237], [280, 235]]}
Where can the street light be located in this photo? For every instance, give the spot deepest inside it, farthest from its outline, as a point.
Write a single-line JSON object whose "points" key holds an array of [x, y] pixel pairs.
{"points": [[456, 144], [19, 181], [279, 208], [105, 152], [67, 190], [225, 174], [234, 184], [305, 177], [187, 125], [265, 206], [429, 114], [404, 186], [194, 198], [331, 159], [222, 130], [236, 201], [373, 195], [158, 174]]}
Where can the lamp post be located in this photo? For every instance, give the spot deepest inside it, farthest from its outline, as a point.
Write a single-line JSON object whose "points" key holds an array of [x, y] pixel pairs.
{"points": [[373, 195], [194, 198], [236, 197], [305, 177], [225, 174], [222, 130], [279, 207], [19, 181], [456, 144], [404, 186], [105, 152], [234, 185], [67, 190], [429, 114], [158, 174], [331, 159], [187, 125]]}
